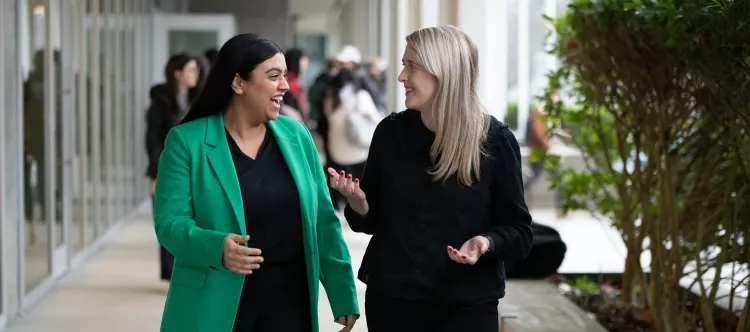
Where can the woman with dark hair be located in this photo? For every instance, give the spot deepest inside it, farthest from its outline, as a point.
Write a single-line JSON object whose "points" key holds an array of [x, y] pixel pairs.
{"points": [[237, 181], [296, 64], [169, 104]]}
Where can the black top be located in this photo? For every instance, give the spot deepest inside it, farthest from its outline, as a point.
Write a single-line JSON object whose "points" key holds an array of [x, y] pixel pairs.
{"points": [[274, 222], [413, 219]]}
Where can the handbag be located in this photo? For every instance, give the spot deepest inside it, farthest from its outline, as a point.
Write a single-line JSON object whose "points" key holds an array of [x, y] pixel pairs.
{"points": [[360, 127]]}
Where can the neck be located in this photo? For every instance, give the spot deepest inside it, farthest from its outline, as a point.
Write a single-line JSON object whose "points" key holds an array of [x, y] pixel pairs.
{"points": [[240, 122], [182, 90], [426, 116]]}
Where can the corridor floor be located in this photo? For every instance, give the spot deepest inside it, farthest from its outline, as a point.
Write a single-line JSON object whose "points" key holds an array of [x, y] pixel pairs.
{"points": [[118, 290]]}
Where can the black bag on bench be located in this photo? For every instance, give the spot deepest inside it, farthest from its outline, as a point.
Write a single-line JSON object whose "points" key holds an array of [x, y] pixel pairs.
{"points": [[546, 256]]}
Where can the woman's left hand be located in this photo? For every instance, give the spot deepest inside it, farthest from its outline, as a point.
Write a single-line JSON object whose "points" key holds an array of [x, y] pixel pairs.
{"points": [[348, 322], [470, 251]]}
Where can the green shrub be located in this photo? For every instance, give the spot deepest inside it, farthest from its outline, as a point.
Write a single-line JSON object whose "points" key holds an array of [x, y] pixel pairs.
{"points": [[664, 91]]}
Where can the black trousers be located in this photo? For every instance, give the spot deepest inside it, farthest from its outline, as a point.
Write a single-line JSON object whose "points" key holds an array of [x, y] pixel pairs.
{"points": [[389, 314], [166, 260]]}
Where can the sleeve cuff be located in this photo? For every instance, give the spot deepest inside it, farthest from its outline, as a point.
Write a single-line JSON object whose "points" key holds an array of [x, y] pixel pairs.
{"points": [[215, 244]]}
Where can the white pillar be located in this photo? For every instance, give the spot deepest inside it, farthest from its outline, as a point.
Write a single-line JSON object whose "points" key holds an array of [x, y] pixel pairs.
{"points": [[402, 21], [373, 19], [429, 13], [550, 9], [486, 22], [385, 30], [524, 65]]}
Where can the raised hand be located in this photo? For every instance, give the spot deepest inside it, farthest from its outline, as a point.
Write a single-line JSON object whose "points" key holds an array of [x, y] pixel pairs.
{"points": [[238, 258], [470, 251], [349, 187]]}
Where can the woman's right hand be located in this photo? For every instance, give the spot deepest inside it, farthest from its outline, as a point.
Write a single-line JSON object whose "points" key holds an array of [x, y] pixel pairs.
{"points": [[349, 187], [238, 258]]}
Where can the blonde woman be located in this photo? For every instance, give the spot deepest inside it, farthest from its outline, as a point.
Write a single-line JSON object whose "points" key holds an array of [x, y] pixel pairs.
{"points": [[442, 195]]}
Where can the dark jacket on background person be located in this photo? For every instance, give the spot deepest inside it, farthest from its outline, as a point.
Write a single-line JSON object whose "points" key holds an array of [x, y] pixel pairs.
{"points": [[162, 114]]}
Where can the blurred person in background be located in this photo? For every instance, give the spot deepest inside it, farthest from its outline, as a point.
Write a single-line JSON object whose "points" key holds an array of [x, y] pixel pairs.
{"points": [[241, 187], [352, 118], [296, 63], [170, 102], [442, 196], [317, 96], [350, 58], [539, 137], [211, 54], [376, 69]]}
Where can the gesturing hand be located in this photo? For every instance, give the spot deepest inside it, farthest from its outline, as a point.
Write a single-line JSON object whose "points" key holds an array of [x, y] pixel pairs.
{"points": [[470, 251], [238, 258], [348, 322], [347, 186]]}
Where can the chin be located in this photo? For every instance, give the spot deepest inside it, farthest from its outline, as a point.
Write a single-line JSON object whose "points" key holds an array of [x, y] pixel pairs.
{"points": [[272, 115], [412, 106]]}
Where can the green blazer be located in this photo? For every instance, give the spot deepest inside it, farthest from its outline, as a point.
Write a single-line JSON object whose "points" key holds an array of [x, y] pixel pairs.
{"points": [[198, 203]]}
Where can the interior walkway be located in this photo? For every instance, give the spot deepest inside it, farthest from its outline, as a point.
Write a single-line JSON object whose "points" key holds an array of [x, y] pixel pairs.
{"points": [[118, 290]]}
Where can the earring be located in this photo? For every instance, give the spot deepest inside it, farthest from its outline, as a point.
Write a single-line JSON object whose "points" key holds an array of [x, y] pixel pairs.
{"points": [[239, 92]]}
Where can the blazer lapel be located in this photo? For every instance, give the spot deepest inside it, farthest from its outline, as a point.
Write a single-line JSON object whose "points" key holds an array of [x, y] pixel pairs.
{"points": [[297, 163], [222, 164]]}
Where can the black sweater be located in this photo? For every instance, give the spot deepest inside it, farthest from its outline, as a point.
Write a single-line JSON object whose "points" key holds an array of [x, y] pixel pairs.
{"points": [[413, 219]]}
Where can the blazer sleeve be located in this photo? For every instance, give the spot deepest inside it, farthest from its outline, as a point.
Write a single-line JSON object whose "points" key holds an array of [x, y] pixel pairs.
{"points": [[174, 219], [336, 272]]}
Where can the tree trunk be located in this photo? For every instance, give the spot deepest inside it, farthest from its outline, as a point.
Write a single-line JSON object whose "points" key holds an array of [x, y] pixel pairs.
{"points": [[626, 292]]}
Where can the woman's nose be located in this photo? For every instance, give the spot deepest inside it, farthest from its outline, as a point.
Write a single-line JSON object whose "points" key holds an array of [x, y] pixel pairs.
{"points": [[284, 85]]}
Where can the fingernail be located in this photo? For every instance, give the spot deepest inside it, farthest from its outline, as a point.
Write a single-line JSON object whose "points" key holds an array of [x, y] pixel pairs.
{"points": [[349, 176], [356, 180], [464, 257]]}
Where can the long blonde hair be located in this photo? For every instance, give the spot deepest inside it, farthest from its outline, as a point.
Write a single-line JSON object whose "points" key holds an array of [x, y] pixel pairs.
{"points": [[458, 117]]}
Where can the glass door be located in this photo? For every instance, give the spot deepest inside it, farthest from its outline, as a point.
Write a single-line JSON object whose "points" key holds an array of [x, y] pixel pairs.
{"points": [[194, 34], [61, 116], [7, 80], [36, 55]]}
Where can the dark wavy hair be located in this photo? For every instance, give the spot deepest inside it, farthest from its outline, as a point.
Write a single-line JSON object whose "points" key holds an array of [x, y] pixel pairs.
{"points": [[342, 79], [238, 56]]}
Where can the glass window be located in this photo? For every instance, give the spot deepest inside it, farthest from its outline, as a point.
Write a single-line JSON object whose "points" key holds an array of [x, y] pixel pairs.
{"points": [[107, 72], [81, 190], [35, 89], [96, 200], [8, 128], [119, 90], [129, 111], [59, 130]]}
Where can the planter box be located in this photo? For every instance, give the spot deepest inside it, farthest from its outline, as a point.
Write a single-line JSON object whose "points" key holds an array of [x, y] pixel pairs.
{"points": [[537, 306]]}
